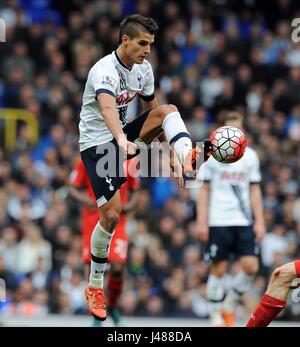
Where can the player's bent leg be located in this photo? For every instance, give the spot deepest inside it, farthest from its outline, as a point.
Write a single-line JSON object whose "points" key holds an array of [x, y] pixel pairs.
{"points": [[100, 243], [153, 123], [274, 300], [215, 292], [242, 283], [168, 118]]}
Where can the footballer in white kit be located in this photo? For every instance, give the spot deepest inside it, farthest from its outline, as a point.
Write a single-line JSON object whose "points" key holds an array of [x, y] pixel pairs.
{"points": [[229, 203], [109, 75], [106, 140], [230, 221]]}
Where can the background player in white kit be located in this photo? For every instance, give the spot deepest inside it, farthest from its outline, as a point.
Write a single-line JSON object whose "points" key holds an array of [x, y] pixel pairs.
{"points": [[230, 219], [111, 84]]}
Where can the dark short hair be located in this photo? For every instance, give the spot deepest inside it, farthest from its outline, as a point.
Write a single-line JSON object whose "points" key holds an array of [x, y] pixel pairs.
{"points": [[233, 116], [133, 25]]}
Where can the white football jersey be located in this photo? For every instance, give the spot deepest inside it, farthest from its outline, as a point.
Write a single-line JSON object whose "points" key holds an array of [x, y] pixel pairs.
{"points": [[111, 76], [229, 203]]}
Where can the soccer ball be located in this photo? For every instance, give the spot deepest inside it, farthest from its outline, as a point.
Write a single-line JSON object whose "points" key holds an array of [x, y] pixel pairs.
{"points": [[228, 144]]}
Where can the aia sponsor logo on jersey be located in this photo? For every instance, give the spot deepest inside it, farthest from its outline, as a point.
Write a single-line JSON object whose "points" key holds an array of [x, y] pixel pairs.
{"points": [[233, 176], [124, 98]]}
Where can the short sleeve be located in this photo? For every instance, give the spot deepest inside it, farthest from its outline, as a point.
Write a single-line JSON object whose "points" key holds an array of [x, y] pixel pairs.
{"points": [[206, 172], [147, 92], [103, 80], [255, 175]]}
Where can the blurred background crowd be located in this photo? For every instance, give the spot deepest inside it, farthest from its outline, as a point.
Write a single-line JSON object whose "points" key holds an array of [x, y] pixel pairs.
{"points": [[209, 57]]}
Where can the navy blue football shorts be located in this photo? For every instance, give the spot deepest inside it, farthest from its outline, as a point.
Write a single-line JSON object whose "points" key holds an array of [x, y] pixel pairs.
{"points": [[105, 165], [227, 241]]}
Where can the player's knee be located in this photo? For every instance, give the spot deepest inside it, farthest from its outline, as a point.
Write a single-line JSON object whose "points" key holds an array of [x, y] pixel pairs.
{"points": [[251, 268], [112, 219], [218, 269], [164, 110]]}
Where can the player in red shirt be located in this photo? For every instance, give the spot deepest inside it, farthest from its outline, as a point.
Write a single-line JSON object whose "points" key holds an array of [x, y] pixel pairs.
{"points": [[90, 216], [283, 279]]}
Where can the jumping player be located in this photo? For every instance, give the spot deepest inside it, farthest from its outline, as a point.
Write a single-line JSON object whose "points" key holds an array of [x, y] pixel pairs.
{"points": [[111, 84], [283, 279], [81, 190], [230, 219]]}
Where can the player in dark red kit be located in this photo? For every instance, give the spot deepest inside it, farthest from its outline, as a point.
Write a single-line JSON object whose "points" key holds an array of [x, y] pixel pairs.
{"points": [[283, 279]]}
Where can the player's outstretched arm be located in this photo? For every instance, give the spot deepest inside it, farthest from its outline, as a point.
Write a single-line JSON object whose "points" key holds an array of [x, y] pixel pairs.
{"points": [[283, 279], [107, 105]]}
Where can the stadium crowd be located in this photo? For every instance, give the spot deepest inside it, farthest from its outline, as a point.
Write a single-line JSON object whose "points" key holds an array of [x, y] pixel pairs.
{"points": [[209, 57]]}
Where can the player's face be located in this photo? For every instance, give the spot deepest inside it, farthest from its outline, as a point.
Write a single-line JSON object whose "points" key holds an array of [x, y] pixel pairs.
{"points": [[138, 48]]}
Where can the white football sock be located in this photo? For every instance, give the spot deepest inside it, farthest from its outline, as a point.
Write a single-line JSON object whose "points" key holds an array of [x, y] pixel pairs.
{"points": [[173, 126], [214, 293], [242, 283], [100, 243]]}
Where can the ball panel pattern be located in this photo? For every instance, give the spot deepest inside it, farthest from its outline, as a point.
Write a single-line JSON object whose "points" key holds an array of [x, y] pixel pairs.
{"points": [[228, 144]]}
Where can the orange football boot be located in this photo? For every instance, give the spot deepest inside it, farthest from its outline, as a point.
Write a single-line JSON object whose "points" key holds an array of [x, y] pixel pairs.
{"points": [[193, 160], [228, 318], [96, 302], [190, 163]]}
